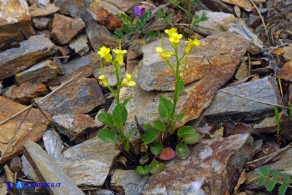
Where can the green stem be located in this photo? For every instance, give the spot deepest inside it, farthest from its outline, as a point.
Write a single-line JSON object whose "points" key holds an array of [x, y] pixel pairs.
{"points": [[117, 96]]}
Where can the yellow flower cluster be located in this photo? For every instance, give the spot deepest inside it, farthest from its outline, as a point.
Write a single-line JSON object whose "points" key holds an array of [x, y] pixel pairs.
{"points": [[164, 54], [104, 53], [192, 43]]}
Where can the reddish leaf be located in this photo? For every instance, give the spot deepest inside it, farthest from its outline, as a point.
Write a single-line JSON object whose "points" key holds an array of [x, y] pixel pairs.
{"points": [[167, 154]]}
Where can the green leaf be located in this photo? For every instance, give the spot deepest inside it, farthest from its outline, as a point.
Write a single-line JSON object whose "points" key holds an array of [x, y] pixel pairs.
{"points": [[192, 139], [204, 17], [286, 179], [107, 135], [179, 117], [156, 167], [282, 189], [182, 150], [156, 148], [270, 185], [264, 171], [185, 131], [121, 116], [148, 127], [277, 121], [132, 132], [180, 86], [275, 175], [118, 33], [261, 180], [149, 137], [107, 119], [126, 101], [126, 144], [159, 125], [143, 170], [165, 108]]}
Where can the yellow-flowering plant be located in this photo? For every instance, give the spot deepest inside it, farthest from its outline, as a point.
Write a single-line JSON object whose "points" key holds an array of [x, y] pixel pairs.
{"points": [[114, 131], [158, 136]]}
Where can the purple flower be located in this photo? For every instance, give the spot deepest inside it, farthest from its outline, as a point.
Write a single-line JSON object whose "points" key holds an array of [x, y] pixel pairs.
{"points": [[139, 12]]}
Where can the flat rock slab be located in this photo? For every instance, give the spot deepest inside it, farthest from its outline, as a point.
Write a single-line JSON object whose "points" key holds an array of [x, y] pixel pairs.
{"points": [[210, 168], [78, 97], [53, 143], [128, 182], [73, 125], [204, 77], [230, 106], [32, 128], [89, 163], [49, 171], [30, 52], [15, 24]]}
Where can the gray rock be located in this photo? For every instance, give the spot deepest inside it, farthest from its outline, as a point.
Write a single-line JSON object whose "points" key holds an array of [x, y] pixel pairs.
{"points": [[30, 52], [128, 182], [109, 72], [210, 168], [28, 170], [49, 171], [41, 23], [78, 97], [80, 45], [227, 106], [89, 163], [38, 73], [1, 87], [53, 143], [73, 125]]}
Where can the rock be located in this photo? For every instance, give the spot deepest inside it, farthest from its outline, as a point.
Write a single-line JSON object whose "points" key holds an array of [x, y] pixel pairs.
{"points": [[242, 71], [1, 87], [89, 163], [30, 51], [211, 168], [124, 5], [28, 170], [218, 5], [25, 92], [109, 72], [80, 45], [49, 171], [227, 104], [279, 160], [43, 3], [288, 52], [15, 165], [40, 72], [128, 182], [253, 21], [240, 3], [286, 71], [134, 55], [53, 143], [73, 125], [41, 23], [78, 97], [105, 13], [44, 11], [65, 29], [98, 34], [217, 21], [32, 128], [224, 51], [15, 23], [154, 74]]}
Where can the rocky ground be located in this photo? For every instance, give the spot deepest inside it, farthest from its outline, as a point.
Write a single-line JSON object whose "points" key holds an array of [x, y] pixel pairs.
{"points": [[50, 96]]}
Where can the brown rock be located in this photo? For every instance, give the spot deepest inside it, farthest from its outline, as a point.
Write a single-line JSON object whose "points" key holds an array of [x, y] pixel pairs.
{"points": [[32, 128], [44, 11], [15, 24], [15, 164], [78, 97], [73, 125], [253, 21], [40, 72], [210, 169], [105, 13], [25, 92], [286, 71], [30, 51], [218, 6], [65, 28], [41, 23], [240, 3], [80, 45], [124, 5]]}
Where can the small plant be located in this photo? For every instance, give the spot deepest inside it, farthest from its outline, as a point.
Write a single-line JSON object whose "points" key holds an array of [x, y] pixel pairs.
{"points": [[277, 121], [271, 178], [158, 136], [115, 121]]}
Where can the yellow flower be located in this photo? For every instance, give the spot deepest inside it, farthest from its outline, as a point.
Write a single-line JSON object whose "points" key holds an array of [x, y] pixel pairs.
{"points": [[127, 81], [164, 54], [170, 31], [103, 80], [175, 38], [104, 52], [192, 43], [120, 55]]}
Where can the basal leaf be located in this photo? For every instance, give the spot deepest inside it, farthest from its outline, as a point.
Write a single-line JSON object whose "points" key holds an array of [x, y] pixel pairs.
{"points": [[149, 137], [179, 117], [143, 170], [107, 135], [167, 154], [165, 108], [182, 150], [156, 167], [156, 148], [107, 119], [192, 139], [185, 131], [159, 125]]}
